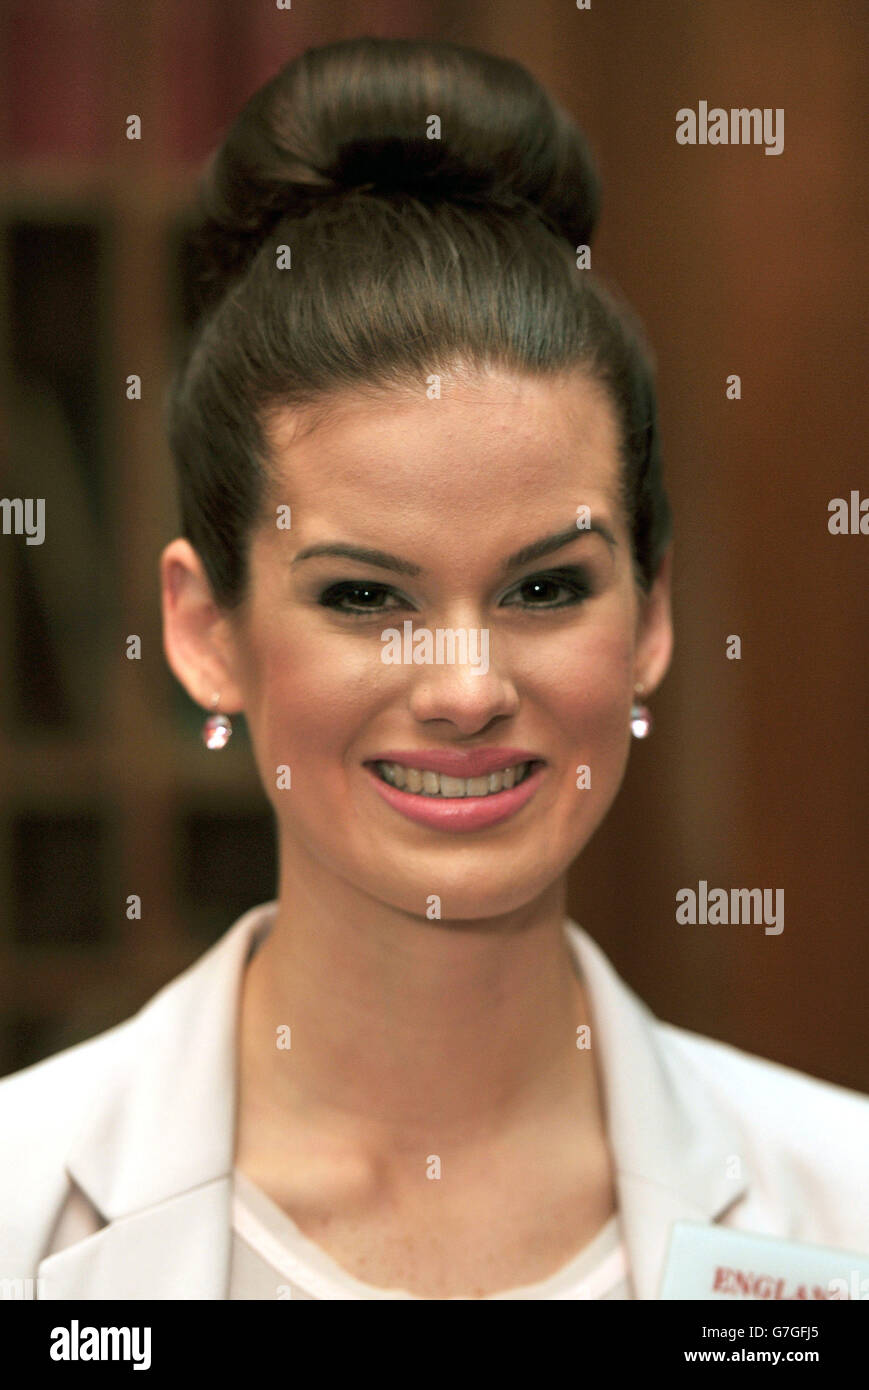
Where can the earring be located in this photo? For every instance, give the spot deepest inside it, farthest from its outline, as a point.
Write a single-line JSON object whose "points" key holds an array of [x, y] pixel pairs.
{"points": [[217, 729], [641, 717]]}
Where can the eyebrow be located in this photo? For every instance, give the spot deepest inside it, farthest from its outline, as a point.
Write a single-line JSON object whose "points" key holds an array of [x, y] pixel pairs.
{"points": [[383, 560]]}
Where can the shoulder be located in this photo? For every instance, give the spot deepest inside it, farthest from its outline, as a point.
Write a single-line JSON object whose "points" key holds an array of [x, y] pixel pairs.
{"points": [[43, 1106], [689, 1109], [775, 1096], [42, 1109], [53, 1092], [149, 1046], [130, 1103], [47, 1103], [802, 1142]]}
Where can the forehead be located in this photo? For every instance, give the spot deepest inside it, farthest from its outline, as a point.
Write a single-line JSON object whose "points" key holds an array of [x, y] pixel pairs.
{"points": [[500, 443]]}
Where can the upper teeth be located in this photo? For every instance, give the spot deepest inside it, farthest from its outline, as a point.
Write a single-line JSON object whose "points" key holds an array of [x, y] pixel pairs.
{"points": [[427, 783]]}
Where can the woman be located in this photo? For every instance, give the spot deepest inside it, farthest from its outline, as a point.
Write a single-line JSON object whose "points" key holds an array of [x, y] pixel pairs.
{"points": [[425, 551]]}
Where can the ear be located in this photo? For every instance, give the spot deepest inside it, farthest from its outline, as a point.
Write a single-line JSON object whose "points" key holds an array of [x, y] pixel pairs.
{"points": [[654, 646], [197, 636]]}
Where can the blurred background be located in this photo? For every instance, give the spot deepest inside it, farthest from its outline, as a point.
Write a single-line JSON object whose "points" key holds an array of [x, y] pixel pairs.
{"points": [[756, 774]]}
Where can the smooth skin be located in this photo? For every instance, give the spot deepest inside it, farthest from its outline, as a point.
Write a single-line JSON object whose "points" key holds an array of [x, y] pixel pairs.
{"points": [[411, 1037]]}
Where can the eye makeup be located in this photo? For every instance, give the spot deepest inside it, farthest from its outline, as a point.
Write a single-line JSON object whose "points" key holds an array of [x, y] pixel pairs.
{"points": [[362, 597]]}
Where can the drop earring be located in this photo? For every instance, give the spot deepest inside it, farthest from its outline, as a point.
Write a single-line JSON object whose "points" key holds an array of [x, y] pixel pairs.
{"points": [[217, 729], [641, 717]]}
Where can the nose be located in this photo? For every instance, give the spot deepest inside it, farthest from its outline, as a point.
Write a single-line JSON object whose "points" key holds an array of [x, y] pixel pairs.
{"points": [[461, 694]]}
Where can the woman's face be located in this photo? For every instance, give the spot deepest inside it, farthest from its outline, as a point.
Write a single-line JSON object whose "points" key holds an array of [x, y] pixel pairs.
{"points": [[449, 492]]}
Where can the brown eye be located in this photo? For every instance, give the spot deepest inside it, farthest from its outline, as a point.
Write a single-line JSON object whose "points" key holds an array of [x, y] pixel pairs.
{"points": [[550, 591], [355, 597]]}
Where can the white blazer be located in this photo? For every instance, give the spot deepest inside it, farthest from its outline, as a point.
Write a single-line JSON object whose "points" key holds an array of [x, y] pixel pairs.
{"points": [[140, 1122]]}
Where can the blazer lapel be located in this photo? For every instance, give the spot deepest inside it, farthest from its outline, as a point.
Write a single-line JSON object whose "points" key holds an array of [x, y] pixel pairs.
{"points": [[676, 1156], [177, 1249], [155, 1157]]}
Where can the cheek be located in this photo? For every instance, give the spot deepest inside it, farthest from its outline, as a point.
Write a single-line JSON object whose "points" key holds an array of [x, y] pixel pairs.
{"points": [[313, 693], [587, 684], [586, 693]]}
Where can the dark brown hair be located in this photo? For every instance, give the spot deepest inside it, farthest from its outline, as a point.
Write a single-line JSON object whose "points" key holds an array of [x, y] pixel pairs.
{"points": [[409, 254]]}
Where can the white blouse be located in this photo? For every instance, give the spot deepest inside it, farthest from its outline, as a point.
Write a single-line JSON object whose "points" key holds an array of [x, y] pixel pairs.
{"points": [[272, 1259]]}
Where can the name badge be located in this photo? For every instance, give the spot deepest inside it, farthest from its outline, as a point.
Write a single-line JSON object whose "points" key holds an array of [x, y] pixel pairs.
{"points": [[713, 1262]]}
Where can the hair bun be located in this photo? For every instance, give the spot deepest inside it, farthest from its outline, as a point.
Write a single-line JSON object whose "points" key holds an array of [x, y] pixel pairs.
{"points": [[355, 116]]}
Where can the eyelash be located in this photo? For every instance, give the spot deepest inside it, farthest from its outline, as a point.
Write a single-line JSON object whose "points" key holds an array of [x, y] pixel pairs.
{"points": [[572, 580]]}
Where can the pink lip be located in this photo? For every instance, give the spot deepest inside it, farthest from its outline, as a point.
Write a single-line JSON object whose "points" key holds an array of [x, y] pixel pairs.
{"points": [[459, 813], [456, 762]]}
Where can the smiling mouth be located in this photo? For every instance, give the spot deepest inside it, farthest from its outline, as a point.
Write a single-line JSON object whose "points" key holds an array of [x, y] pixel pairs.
{"points": [[424, 782]]}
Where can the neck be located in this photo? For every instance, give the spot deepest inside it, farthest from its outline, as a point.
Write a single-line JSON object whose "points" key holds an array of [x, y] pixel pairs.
{"points": [[401, 1027]]}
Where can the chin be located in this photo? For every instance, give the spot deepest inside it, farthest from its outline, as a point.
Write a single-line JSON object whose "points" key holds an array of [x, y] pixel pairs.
{"points": [[474, 890]]}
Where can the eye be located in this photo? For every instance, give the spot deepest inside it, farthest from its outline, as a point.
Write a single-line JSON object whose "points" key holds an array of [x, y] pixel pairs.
{"points": [[555, 589], [357, 597]]}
